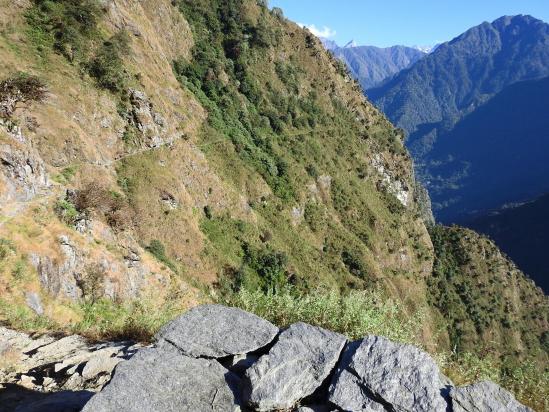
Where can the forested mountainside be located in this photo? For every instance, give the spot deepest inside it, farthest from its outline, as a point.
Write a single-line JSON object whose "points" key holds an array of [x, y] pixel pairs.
{"points": [[498, 154], [157, 154], [372, 66], [521, 232], [464, 73], [438, 97]]}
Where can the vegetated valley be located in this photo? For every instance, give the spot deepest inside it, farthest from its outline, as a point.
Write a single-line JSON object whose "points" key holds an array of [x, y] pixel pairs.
{"points": [[160, 154]]}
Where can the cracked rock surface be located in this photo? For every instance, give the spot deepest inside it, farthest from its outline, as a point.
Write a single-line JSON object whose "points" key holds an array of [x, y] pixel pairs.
{"points": [[173, 382], [294, 368], [216, 358], [395, 376]]}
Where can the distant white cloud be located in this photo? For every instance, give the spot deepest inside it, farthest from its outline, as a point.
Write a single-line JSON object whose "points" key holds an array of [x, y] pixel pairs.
{"points": [[324, 32]]}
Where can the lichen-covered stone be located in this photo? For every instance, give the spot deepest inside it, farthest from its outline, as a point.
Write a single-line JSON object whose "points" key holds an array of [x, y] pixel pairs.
{"points": [[217, 331]]}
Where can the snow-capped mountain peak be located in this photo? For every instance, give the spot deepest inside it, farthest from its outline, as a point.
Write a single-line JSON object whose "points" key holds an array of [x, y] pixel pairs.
{"points": [[352, 43]]}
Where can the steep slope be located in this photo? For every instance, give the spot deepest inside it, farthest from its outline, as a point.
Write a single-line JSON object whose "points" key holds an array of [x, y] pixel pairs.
{"points": [[164, 157], [479, 293], [372, 66], [458, 158], [521, 232], [197, 146], [498, 154]]}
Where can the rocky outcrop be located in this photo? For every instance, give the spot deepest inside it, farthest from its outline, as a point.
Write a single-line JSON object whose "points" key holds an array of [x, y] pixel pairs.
{"points": [[22, 174], [377, 373], [173, 382], [150, 124], [70, 366], [75, 270], [215, 358], [484, 396]]}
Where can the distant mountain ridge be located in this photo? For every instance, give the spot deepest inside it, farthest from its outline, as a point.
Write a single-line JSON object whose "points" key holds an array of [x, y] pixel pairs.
{"points": [[485, 59], [371, 65], [429, 99]]}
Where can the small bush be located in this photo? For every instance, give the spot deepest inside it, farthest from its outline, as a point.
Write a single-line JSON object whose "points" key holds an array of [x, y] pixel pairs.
{"points": [[20, 89], [19, 271], [91, 283], [315, 216], [157, 249], [110, 204], [6, 248], [66, 175]]}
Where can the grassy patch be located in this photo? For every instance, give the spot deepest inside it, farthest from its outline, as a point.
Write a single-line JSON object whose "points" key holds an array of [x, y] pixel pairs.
{"points": [[20, 317], [67, 26], [137, 320], [66, 175], [355, 314]]}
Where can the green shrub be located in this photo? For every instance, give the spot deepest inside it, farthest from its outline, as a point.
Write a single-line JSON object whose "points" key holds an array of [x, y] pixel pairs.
{"points": [[66, 175], [7, 248], [19, 271], [158, 250], [66, 211], [91, 283], [315, 216], [68, 26]]}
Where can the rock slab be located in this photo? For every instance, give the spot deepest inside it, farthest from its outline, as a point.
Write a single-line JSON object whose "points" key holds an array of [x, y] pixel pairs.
{"points": [[294, 368], [216, 331], [162, 379], [376, 374], [485, 397]]}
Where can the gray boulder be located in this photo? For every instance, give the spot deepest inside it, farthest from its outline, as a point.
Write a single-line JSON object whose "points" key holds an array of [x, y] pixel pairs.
{"points": [[216, 331], [162, 379], [376, 374], [485, 397], [294, 368]]}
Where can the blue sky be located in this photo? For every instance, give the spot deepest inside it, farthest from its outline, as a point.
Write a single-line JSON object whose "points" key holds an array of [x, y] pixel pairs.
{"points": [[409, 22]]}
